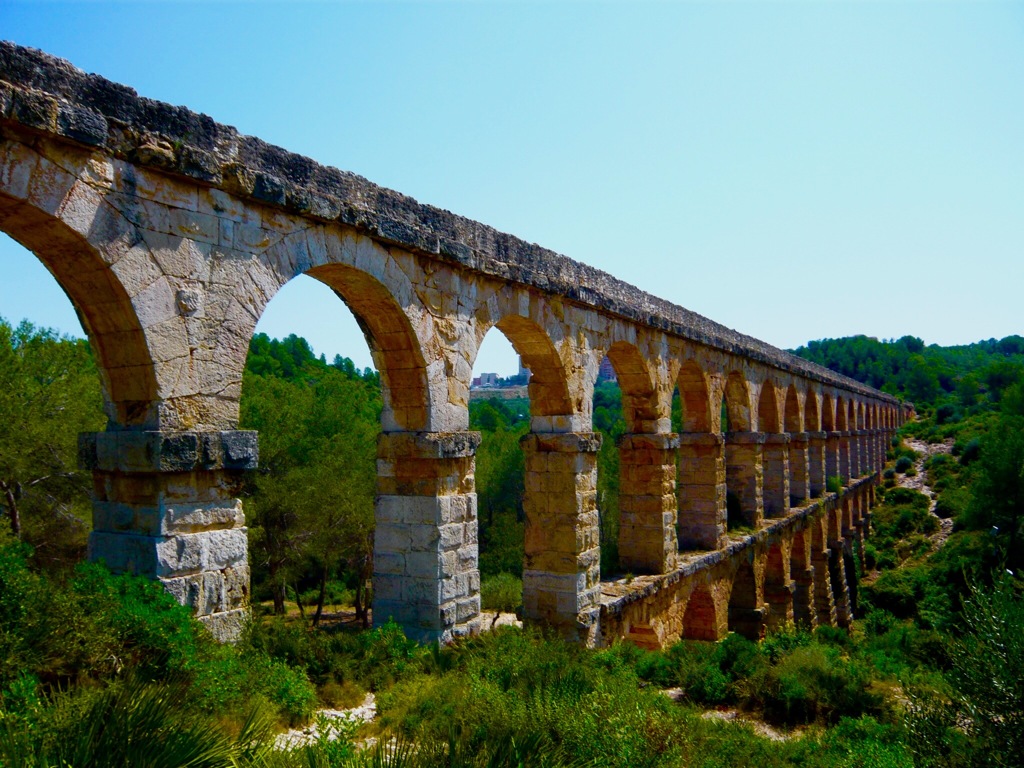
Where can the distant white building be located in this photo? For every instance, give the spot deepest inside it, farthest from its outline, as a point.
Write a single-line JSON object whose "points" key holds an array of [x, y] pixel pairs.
{"points": [[486, 380], [607, 371]]}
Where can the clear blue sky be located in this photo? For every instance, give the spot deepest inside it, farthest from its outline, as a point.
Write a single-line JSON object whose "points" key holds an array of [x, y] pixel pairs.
{"points": [[793, 170]]}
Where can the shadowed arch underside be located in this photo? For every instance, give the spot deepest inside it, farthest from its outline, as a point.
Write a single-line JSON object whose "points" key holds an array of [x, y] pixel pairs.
{"points": [[103, 306], [768, 409], [639, 399], [792, 413], [694, 398], [393, 344], [737, 402], [549, 392], [700, 621]]}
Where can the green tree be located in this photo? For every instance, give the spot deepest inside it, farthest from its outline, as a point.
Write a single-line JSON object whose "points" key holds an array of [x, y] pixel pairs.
{"points": [[998, 490], [981, 720], [49, 393], [311, 503], [500, 478]]}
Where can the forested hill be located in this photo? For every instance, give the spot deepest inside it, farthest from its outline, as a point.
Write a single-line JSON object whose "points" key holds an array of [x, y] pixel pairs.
{"points": [[971, 375], [293, 358]]}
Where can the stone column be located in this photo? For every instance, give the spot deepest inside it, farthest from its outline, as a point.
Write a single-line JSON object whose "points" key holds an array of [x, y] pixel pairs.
{"points": [[840, 588], [816, 462], [824, 600], [779, 596], [425, 556], [562, 564], [744, 474], [747, 611], [867, 459], [702, 516], [164, 507], [844, 456], [832, 451], [647, 502], [776, 474], [866, 449], [854, 544], [804, 614], [855, 455], [799, 469], [859, 534]]}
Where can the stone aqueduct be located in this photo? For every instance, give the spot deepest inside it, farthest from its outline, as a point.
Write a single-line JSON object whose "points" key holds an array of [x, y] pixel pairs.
{"points": [[171, 233]]}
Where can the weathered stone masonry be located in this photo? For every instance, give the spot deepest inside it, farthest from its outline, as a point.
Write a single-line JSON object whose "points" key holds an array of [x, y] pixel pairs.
{"points": [[170, 234]]}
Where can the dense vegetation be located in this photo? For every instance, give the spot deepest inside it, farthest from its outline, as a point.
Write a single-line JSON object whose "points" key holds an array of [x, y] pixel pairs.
{"points": [[970, 377], [102, 670]]}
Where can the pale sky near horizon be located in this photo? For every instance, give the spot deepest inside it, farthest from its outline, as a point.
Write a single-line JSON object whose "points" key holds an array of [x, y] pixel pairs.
{"points": [[795, 170]]}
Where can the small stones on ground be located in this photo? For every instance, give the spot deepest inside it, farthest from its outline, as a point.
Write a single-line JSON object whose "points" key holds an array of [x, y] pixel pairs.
{"points": [[328, 723]]}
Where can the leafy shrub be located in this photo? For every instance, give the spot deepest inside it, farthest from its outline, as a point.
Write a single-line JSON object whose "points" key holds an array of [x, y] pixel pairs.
{"points": [[99, 627], [897, 591], [836, 636], [698, 673], [510, 684], [978, 721], [889, 474], [814, 682], [970, 452], [952, 502], [870, 556], [834, 484], [864, 741], [903, 463], [131, 723], [387, 654], [502, 593], [738, 657], [946, 413]]}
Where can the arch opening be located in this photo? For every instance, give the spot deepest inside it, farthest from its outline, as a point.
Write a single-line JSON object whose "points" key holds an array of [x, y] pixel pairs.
{"points": [[812, 421], [694, 399], [500, 408], [778, 588], [548, 388], [768, 409], [792, 413], [744, 479], [54, 391], [312, 506], [746, 611], [700, 621], [736, 404], [828, 412]]}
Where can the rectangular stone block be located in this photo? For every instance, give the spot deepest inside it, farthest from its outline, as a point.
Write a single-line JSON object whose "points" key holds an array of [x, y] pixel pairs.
{"points": [[391, 537], [227, 626], [467, 608], [182, 518], [387, 588], [210, 550], [423, 565], [389, 563]]}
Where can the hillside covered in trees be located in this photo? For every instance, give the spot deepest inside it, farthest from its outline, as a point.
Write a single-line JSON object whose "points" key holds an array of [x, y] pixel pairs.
{"points": [[971, 376]]}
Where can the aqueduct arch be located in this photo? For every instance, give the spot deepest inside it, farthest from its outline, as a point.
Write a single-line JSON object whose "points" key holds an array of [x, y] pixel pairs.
{"points": [[171, 233]]}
